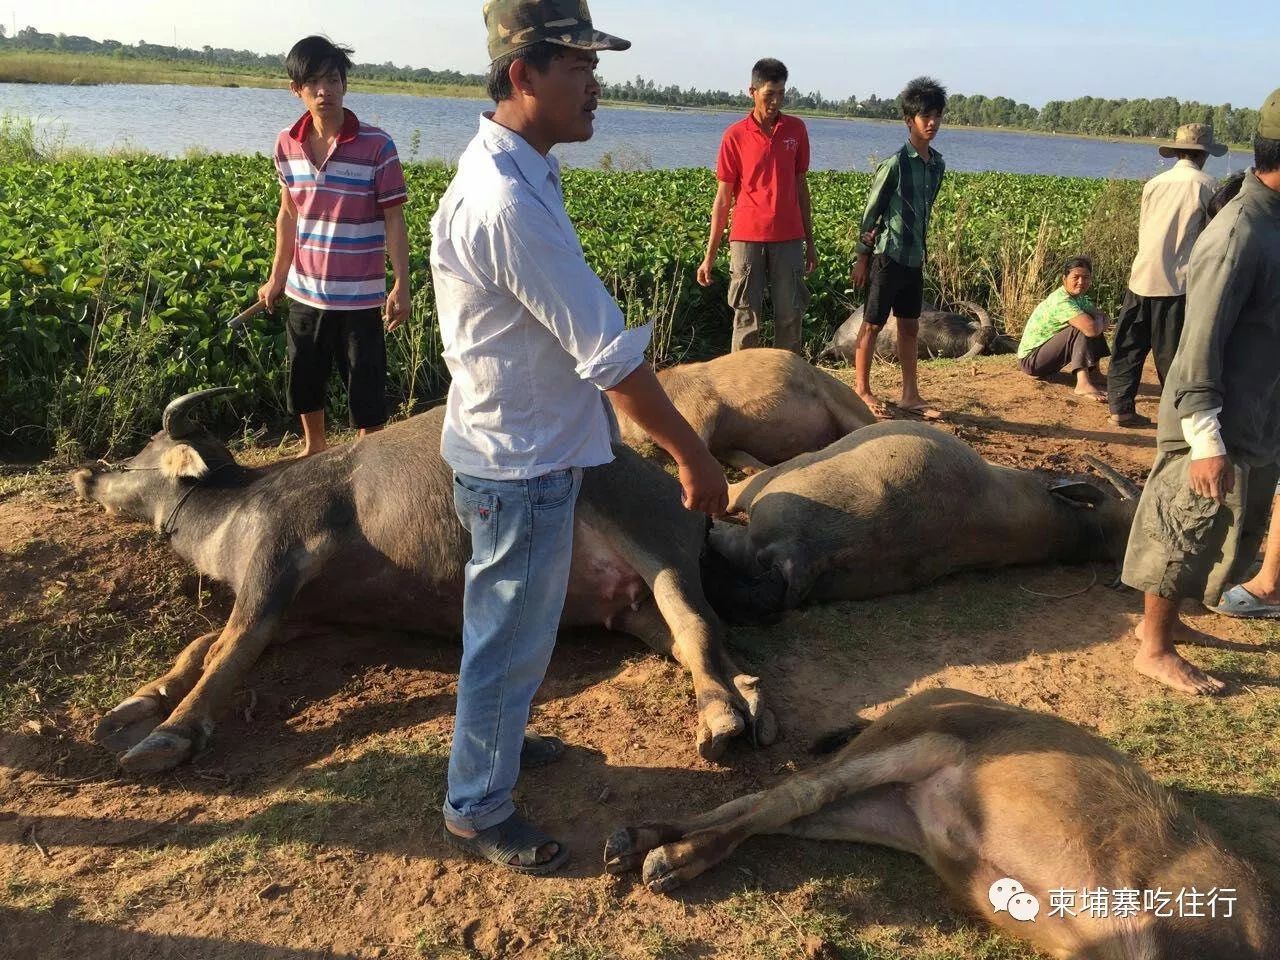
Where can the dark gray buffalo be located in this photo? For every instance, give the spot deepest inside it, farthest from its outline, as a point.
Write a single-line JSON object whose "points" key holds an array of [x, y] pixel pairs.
{"points": [[366, 534], [894, 506], [942, 334]]}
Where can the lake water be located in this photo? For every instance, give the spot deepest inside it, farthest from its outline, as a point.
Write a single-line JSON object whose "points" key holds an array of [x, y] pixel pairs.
{"points": [[171, 119]]}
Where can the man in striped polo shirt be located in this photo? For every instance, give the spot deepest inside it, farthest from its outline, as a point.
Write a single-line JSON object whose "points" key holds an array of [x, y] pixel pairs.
{"points": [[341, 214]]}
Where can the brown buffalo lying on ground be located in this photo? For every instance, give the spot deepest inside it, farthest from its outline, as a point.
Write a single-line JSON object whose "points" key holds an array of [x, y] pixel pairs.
{"points": [[757, 407], [943, 333], [366, 534], [896, 505], [1011, 809]]}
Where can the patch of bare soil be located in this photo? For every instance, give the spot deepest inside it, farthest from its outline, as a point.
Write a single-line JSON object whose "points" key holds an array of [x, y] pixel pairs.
{"points": [[310, 829]]}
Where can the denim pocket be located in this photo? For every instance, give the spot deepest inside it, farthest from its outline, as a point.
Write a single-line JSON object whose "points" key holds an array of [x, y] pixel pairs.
{"points": [[479, 514], [551, 490]]}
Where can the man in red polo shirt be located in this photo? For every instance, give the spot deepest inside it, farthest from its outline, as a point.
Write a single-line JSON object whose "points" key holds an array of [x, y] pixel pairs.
{"points": [[762, 167]]}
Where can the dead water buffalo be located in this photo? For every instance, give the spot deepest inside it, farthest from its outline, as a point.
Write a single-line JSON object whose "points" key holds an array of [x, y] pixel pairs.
{"points": [[1009, 808], [942, 334], [757, 407], [366, 534], [896, 505]]}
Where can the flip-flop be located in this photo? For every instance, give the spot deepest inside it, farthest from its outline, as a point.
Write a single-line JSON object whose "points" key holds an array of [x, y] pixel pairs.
{"points": [[513, 838], [538, 751], [1239, 602], [921, 410]]}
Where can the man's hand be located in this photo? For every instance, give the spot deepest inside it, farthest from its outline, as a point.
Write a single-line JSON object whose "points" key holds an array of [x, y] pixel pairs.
{"points": [[396, 310], [704, 272], [1213, 477], [270, 292], [861, 267], [705, 487], [810, 258]]}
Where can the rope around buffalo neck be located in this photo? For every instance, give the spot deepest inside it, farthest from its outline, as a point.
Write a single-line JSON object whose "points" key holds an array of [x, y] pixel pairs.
{"points": [[166, 528]]}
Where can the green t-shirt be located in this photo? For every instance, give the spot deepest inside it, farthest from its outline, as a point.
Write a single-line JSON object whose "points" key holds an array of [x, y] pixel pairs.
{"points": [[1055, 311]]}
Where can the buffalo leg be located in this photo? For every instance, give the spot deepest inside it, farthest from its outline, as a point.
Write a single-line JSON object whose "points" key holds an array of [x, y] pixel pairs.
{"points": [[129, 723], [849, 773], [728, 699], [254, 623], [743, 461]]}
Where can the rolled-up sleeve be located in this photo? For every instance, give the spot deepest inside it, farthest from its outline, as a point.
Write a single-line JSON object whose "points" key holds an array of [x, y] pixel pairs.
{"points": [[1220, 281], [529, 254]]}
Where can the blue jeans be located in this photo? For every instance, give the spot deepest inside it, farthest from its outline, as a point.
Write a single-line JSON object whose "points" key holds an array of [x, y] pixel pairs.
{"points": [[521, 546]]}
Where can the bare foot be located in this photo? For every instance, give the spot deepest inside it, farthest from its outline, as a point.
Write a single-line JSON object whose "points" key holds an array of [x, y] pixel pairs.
{"points": [[1091, 392], [876, 406], [308, 452], [1173, 671], [1182, 634], [1262, 592]]}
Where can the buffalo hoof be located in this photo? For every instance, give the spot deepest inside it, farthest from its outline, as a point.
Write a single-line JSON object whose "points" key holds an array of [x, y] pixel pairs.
{"points": [[162, 750], [669, 866], [718, 723], [128, 724], [626, 849], [764, 726]]}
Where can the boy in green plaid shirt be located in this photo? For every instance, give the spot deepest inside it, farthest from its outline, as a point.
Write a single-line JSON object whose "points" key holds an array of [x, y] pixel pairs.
{"points": [[891, 248]]}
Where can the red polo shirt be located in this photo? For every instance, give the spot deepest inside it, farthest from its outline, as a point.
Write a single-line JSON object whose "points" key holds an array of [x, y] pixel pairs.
{"points": [[764, 171]]}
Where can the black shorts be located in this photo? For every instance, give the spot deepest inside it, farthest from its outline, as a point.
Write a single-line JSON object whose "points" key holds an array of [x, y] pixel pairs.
{"points": [[352, 338], [893, 287]]}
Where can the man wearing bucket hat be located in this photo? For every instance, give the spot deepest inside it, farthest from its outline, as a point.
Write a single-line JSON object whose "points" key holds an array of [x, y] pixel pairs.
{"points": [[532, 339], [1203, 513], [1174, 212]]}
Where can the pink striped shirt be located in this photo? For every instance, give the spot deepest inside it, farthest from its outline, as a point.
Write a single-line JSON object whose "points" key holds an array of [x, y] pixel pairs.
{"points": [[339, 259]]}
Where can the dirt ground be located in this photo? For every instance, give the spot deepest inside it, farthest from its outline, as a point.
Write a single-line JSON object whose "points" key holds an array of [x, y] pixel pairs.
{"points": [[311, 830]]}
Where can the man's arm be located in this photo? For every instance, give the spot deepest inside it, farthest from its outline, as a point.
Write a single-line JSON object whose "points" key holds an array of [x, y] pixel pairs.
{"points": [[640, 397], [806, 213], [398, 300], [1220, 280], [877, 203], [286, 238], [719, 221]]}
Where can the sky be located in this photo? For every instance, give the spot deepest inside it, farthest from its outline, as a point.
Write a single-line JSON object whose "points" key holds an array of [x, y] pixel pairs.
{"points": [[1030, 51]]}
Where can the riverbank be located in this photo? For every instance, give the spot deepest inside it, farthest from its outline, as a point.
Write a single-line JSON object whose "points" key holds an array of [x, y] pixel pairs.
{"points": [[39, 67]]}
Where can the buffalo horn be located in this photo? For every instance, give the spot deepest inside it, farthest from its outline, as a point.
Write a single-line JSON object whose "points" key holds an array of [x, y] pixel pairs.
{"points": [[175, 421], [984, 318], [1127, 488]]}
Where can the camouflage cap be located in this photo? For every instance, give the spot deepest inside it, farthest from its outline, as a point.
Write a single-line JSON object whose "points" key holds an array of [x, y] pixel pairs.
{"points": [[1269, 117], [516, 24]]}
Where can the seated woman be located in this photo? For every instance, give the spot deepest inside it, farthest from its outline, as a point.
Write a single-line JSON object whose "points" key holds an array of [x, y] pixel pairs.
{"points": [[1066, 330]]}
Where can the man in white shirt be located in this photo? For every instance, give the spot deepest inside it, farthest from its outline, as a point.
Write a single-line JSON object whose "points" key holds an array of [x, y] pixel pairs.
{"points": [[1174, 211], [532, 339], [1203, 513]]}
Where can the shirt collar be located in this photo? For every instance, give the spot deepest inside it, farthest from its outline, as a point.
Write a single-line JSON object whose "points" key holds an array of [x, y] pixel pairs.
{"points": [[533, 166], [302, 128], [1187, 164], [913, 152], [751, 121]]}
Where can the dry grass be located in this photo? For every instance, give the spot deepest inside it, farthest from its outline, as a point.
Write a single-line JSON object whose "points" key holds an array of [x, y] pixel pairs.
{"points": [[1020, 276]]}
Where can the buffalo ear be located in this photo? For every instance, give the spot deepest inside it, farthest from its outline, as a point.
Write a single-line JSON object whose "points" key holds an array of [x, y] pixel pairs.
{"points": [[1078, 493], [182, 460]]}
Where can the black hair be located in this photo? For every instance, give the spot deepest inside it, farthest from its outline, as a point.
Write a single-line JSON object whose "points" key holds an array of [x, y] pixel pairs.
{"points": [[923, 95], [1226, 193], [313, 57], [1187, 154], [1266, 154], [1076, 262], [768, 70], [537, 55]]}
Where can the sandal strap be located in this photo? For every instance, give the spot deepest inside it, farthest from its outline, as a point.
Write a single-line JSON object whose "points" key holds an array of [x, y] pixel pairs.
{"points": [[512, 839]]}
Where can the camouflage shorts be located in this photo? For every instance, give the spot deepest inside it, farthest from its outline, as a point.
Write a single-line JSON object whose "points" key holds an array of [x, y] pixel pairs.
{"points": [[1185, 545]]}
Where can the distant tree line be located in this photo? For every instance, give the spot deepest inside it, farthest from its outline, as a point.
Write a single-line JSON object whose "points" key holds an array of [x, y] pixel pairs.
{"points": [[1087, 115]]}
